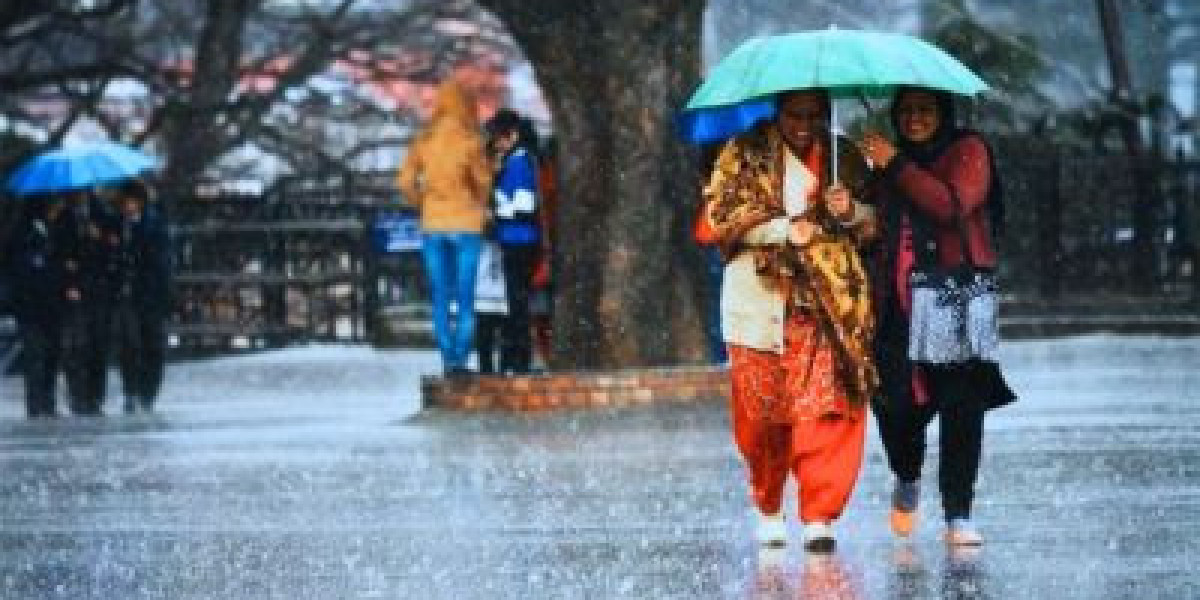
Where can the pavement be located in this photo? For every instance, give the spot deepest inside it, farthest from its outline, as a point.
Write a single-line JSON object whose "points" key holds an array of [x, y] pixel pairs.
{"points": [[312, 473]]}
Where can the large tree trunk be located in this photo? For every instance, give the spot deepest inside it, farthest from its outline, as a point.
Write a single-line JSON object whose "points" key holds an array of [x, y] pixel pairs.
{"points": [[629, 287]]}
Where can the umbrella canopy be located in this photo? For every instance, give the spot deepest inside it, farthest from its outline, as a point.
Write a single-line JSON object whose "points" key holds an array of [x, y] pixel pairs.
{"points": [[79, 166], [845, 62]]}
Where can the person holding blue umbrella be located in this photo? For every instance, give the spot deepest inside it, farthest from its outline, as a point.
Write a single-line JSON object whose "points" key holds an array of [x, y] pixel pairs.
{"points": [[87, 241], [84, 239], [34, 261]]}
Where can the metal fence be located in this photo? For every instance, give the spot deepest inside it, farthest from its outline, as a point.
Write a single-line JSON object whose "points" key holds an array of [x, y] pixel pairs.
{"points": [[1100, 228], [1088, 234], [303, 265]]}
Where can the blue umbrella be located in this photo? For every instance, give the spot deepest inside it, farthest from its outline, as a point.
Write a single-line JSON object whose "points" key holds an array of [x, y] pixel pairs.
{"points": [[723, 122], [79, 166]]}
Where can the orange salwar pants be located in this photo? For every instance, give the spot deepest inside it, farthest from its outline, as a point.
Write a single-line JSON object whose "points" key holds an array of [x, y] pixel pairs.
{"points": [[790, 415]]}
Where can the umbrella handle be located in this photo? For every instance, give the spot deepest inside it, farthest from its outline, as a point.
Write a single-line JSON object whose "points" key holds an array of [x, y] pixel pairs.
{"points": [[833, 139]]}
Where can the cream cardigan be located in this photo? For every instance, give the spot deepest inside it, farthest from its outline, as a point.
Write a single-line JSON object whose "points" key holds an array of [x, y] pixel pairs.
{"points": [[752, 315]]}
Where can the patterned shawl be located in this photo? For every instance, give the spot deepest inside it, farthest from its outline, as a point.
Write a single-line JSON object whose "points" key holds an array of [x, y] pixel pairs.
{"points": [[827, 275]]}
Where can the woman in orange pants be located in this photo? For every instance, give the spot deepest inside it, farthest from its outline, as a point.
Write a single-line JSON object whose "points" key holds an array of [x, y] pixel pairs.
{"points": [[818, 440], [795, 311]]}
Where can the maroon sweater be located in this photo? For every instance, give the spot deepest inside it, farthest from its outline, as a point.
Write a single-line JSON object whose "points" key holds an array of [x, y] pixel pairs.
{"points": [[964, 166]]}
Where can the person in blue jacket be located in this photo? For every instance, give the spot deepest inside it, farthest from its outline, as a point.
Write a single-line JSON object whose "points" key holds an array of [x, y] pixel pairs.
{"points": [[515, 228], [84, 238]]}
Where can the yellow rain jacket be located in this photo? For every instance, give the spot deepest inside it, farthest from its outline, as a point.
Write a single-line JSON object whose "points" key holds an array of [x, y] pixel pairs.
{"points": [[447, 174]]}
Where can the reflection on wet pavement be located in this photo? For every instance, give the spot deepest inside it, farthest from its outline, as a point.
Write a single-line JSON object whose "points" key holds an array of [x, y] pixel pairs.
{"points": [[309, 474]]}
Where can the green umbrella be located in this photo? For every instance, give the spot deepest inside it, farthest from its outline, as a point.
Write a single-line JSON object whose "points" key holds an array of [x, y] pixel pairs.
{"points": [[845, 62]]}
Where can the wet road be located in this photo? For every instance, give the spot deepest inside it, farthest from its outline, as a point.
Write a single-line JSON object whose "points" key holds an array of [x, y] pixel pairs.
{"points": [[309, 473]]}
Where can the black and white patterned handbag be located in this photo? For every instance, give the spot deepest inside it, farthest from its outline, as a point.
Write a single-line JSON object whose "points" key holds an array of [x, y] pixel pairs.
{"points": [[955, 310]]}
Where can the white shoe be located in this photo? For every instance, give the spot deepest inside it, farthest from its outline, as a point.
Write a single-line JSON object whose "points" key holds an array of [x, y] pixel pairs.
{"points": [[772, 530], [961, 532], [818, 537]]}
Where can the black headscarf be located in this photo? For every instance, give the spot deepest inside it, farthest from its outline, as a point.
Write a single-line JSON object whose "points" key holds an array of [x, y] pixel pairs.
{"points": [[506, 121], [948, 132], [924, 153]]}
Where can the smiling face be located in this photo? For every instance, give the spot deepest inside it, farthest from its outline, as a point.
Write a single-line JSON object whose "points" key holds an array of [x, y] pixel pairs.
{"points": [[918, 115], [803, 117]]}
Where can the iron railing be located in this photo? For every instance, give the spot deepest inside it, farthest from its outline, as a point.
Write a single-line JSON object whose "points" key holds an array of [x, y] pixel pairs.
{"points": [[1082, 235]]}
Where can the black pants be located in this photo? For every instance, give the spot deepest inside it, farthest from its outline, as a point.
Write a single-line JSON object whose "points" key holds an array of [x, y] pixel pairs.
{"points": [[87, 333], [487, 333], [142, 343], [516, 353], [40, 350], [902, 426]]}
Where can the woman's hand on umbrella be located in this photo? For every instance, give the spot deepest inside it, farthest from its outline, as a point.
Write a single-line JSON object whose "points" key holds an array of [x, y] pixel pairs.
{"points": [[877, 149], [802, 232], [837, 199]]}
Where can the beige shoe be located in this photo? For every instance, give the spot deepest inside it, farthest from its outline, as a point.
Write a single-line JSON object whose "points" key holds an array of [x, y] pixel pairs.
{"points": [[772, 530]]}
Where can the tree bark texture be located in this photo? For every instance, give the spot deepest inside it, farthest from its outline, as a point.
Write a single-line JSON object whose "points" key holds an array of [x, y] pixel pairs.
{"points": [[629, 288], [194, 136]]}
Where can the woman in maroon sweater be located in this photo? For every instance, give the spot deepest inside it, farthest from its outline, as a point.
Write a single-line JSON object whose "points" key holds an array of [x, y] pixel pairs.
{"points": [[931, 160]]}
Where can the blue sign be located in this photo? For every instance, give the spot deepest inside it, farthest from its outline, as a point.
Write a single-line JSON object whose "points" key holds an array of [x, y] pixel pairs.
{"points": [[396, 231]]}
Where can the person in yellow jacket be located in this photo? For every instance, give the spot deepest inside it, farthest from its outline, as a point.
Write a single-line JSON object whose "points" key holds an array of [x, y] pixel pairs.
{"points": [[447, 176]]}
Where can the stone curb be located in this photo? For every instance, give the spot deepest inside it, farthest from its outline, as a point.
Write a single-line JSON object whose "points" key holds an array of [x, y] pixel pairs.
{"points": [[576, 389]]}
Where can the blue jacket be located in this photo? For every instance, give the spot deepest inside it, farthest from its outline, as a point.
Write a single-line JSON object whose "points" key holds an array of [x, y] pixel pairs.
{"points": [[516, 201]]}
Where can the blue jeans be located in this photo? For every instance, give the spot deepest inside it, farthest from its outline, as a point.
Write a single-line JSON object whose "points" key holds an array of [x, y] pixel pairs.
{"points": [[451, 260]]}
